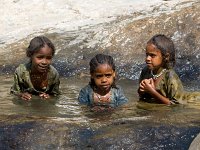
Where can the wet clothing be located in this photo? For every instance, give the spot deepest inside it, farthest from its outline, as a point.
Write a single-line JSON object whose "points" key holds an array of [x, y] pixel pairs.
{"points": [[117, 98], [22, 81], [169, 86]]}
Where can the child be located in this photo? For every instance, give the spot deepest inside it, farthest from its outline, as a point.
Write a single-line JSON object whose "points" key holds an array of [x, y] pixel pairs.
{"points": [[102, 93], [37, 77], [158, 81]]}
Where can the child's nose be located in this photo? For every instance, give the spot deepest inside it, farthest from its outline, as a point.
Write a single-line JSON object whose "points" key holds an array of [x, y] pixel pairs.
{"points": [[148, 58], [44, 61], [104, 79]]}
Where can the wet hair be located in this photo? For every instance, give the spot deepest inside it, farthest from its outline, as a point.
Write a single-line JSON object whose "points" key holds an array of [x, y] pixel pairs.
{"points": [[37, 43], [100, 59], [166, 46]]}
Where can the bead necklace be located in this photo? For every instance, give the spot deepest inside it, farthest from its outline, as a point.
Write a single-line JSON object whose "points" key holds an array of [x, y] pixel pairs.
{"points": [[102, 98], [156, 76]]}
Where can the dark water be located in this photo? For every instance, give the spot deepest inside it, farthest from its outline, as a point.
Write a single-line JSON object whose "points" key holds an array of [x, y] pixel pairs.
{"points": [[63, 124]]}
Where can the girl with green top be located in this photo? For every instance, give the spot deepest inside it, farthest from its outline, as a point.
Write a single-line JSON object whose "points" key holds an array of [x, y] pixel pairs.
{"points": [[158, 81], [37, 77]]}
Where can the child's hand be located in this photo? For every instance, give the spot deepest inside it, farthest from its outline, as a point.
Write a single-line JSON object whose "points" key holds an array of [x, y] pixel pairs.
{"points": [[143, 85], [147, 85], [25, 96], [44, 96]]}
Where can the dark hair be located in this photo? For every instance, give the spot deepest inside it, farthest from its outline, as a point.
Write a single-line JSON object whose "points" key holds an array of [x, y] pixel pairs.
{"points": [[100, 59], [37, 43], [166, 46]]}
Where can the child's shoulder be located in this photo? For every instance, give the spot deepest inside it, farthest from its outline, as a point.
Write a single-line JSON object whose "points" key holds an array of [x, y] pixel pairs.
{"points": [[117, 88], [23, 67], [146, 70], [87, 90], [171, 73], [53, 69]]}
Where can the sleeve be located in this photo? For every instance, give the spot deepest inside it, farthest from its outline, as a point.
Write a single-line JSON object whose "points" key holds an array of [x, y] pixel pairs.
{"points": [[54, 82], [174, 87], [121, 99], [141, 76], [84, 97], [55, 87], [145, 74], [15, 89]]}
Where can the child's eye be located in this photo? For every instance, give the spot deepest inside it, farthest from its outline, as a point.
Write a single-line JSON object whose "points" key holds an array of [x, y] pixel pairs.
{"points": [[108, 75], [151, 55], [40, 57], [99, 76], [49, 57]]}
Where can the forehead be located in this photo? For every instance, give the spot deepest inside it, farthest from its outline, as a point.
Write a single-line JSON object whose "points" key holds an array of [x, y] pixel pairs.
{"points": [[103, 68], [46, 50], [151, 48]]}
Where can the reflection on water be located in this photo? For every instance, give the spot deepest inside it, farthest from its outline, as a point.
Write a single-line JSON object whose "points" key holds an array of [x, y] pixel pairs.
{"points": [[63, 123]]}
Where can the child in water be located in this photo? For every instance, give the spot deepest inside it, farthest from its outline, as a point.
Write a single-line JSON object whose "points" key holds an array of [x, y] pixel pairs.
{"points": [[158, 81], [37, 77], [101, 93]]}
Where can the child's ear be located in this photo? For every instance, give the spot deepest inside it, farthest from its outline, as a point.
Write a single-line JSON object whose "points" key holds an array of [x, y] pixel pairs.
{"points": [[114, 74], [167, 56]]}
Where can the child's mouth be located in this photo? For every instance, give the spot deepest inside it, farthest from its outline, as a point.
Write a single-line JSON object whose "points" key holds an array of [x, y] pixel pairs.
{"points": [[43, 68], [149, 65], [105, 86]]}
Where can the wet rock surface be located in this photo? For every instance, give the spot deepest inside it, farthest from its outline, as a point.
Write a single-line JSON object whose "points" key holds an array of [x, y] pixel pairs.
{"points": [[125, 39], [141, 135]]}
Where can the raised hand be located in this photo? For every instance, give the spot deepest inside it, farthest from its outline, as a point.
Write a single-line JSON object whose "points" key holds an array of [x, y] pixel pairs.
{"points": [[147, 85]]}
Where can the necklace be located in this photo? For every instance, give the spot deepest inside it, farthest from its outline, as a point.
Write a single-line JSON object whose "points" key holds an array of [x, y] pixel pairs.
{"points": [[156, 76], [103, 99]]}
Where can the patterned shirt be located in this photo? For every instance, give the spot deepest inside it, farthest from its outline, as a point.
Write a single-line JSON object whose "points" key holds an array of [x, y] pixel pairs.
{"points": [[169, 86], [117, 98], [22, 81]]}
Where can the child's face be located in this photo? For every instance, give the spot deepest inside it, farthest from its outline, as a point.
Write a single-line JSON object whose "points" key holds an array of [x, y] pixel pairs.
{"points": [[42, 59], [154, 59], [104, 77]]}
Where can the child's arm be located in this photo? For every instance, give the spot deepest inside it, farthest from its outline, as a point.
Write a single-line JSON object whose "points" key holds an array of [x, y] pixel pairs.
{"points": [[53, 92], [121, 99], [84, 95], [16, 90], [55, 86], [147, 85]]}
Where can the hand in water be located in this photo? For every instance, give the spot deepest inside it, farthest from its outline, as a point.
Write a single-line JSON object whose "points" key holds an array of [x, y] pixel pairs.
{"points": [[44, 96], [25, 96]]}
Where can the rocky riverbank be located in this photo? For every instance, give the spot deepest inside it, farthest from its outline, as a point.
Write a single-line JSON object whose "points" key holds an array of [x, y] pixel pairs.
{"points": [[124, 38]]}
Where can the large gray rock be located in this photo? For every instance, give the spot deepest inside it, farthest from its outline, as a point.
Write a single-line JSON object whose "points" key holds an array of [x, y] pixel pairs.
{"points": [[125, 39]]}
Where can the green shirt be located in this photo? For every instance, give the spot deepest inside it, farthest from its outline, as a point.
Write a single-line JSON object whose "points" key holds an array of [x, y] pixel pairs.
{"points": [[22, 81], [169, 86]]}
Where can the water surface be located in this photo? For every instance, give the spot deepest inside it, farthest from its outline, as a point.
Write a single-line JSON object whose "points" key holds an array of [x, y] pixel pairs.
{"points": [[64, 124]]}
